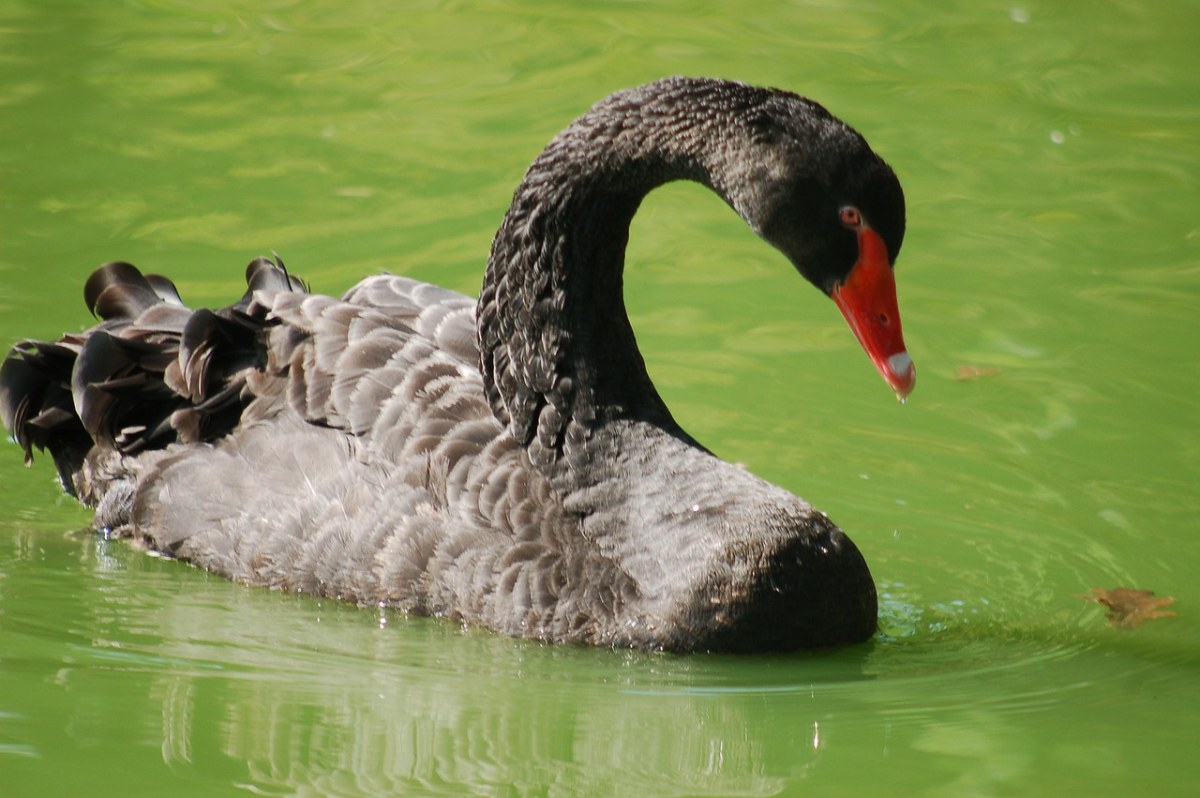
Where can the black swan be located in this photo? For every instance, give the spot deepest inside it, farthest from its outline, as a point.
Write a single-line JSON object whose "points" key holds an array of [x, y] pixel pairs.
{"points": [[506, 462]]}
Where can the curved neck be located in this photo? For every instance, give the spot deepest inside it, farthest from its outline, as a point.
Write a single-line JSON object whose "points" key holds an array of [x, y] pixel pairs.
{"points": [[558, 355]]}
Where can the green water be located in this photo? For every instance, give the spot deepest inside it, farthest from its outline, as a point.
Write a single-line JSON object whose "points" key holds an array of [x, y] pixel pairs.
{"points": [[1052, 164]]}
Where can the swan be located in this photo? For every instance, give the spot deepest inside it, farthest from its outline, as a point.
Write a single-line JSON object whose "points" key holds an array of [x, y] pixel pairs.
{"points": [[504, 462]]}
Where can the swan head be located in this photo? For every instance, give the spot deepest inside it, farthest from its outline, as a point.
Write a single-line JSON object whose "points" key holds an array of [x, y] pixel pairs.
{"points": [[836, 210]]}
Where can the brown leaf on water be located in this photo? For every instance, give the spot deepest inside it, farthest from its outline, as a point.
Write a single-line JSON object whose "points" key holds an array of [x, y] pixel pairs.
{"points": [[968, 372], [1128, 607]]}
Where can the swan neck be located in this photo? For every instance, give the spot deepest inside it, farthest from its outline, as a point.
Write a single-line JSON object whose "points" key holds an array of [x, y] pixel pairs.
{"points": [[558, 354]]}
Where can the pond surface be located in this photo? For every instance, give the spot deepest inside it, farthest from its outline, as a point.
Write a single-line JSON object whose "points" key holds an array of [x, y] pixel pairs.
{"points": [[1049, 283]]}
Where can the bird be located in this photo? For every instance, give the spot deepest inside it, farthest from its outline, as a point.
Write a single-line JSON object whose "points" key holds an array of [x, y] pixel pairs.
{"points": [[505, 462]]}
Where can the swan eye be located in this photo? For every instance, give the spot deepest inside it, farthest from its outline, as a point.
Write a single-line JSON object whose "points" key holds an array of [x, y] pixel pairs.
{"points": [[851, 216]]}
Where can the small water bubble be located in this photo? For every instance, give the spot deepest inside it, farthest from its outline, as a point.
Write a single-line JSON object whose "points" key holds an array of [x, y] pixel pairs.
{"points": [[1057, 137], [1018, 15]]}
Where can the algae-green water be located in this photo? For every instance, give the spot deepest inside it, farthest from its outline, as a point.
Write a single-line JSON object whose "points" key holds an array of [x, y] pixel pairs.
{"points": [[1049, 283]]}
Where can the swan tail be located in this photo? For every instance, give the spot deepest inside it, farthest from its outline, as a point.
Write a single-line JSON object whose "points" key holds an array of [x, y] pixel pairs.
{"points": [[151, 373]]}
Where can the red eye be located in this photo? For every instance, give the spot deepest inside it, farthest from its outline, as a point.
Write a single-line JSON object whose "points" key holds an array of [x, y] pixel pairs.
{"points": [[851, 217]]}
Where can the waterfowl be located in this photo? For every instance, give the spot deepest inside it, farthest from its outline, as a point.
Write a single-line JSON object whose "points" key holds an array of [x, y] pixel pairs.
{"points": [[504, 462]]}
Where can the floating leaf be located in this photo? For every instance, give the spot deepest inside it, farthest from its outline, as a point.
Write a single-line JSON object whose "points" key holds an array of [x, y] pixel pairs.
{"points": [[969, 372], [1129, 607]]}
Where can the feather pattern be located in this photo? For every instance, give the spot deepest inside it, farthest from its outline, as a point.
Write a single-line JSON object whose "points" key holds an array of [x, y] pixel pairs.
{"points": [[505, 462]]}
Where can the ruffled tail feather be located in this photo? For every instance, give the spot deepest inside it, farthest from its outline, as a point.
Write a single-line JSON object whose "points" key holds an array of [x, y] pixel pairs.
{"points": [[153, 372]]}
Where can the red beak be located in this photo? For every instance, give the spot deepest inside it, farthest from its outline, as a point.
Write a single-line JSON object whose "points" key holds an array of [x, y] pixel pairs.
{"points": [[868, 301]]}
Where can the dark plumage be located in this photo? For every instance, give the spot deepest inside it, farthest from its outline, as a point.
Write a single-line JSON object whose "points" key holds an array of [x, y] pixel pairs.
{"points": [[508, 462]]}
